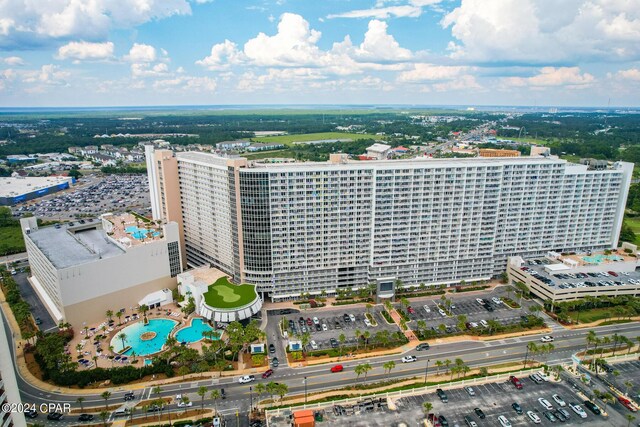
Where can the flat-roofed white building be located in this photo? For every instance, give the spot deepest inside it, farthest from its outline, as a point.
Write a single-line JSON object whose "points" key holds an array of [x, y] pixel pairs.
{"points": [[319, 226], [22, 189], [84, 268]]}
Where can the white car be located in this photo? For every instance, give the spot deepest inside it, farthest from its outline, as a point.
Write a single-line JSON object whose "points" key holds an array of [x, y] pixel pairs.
{"points": [[578, 410], [426, 308], [246, 379], [409, 359], [470, 391], [352, 317], [544, 377], [546, 338], [182, 404], [484, 323], [533, 417], [545, 404], [313, 345], [558, 400], [316, 321], [473, 325], [178, 397], [367, 323], [496, 300], [504, 421], [324, 327], [442, 312], [479, 300]]}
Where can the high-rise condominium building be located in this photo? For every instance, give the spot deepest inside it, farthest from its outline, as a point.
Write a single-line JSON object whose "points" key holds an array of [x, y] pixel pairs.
{"points": [[309, 227]]}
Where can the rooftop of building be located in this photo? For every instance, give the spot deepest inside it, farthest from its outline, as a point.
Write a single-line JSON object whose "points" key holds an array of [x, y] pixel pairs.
{"points": [[205, 274], [225, 295], [67, 245], [11, 187], [132, 230]]}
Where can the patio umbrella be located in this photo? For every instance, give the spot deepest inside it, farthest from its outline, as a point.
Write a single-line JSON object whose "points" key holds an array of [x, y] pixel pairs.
{"points": [[117, 357], [92, 329]]}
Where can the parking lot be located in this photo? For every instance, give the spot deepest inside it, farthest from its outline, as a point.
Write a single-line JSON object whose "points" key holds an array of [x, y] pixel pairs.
{"points": [[629, 372], [332, 323], [606, 277], [462, 305], [494, 399], [111, 193]]}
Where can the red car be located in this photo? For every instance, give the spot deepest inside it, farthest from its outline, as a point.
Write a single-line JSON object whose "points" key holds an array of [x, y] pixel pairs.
{"points": [[267, 373], [433, 419], [613, 273], [411, 310], [309, 321], [516, 382], [337, 368], [627, 404]]}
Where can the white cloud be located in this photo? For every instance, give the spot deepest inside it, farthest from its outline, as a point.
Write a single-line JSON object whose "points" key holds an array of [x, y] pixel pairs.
{"points": [[222, 55], [294, 44], [141, 53], [569, 77], [422, 72], [182, 83], [140, 70], [51, 75], [630, 74], [378, 45], [531, 31], [86, 51], [412, 9], [29, 21], [464, 82], [12, 60]]}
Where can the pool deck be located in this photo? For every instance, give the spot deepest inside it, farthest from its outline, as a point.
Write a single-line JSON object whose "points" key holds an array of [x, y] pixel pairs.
{"points": [[121, 222], [581, 262], [103, 361]]}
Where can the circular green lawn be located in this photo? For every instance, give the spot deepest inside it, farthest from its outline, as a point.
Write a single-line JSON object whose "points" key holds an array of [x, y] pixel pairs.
{"points": [[223, 294]]}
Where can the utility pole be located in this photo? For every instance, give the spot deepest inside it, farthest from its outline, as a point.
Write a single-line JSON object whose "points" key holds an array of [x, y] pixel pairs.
{"points": [[305, 390], [426, 371], [250, 399]]}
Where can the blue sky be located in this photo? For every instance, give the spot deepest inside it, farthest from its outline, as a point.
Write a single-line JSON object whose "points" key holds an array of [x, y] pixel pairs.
{"points": [[169, 52]]}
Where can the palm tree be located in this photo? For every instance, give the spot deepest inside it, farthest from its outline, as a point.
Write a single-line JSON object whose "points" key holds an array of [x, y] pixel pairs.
{"points": [[157, 390], [259, 389], [202, 391], [358, 335], [366, 335], [388, 366], [438, 366], [605, 341], [119, 316], [591, 339], [122, 336], [459, 364], [103, 416], [215, 395], [282, 389], [143, 309], [366, 368], [447, 363], [184, 399], [427, 407], [342, 338], [630, 418], [628, 385], [109, 315], [106, 395], [80, 400]]}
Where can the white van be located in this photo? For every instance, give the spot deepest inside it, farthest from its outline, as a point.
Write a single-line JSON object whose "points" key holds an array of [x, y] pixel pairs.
{"points": [[426, 308], [121, 412]]}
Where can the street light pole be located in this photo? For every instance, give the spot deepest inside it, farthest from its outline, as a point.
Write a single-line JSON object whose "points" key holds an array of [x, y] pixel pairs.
{"points": [[526, 356], [305, 390], [250, 399], [426, 371]]}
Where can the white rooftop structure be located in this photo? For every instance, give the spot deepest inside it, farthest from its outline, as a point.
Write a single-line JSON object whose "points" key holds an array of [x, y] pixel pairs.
{"points": [[11, 187]]}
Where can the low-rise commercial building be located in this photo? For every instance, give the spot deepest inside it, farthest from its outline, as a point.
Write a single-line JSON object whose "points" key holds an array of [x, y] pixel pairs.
{"points": [[21, 189], [561, 278], [82, 269]]}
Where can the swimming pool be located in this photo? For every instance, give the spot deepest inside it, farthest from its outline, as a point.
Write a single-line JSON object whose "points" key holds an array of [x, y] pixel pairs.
{"points": [[193, 332], [134, 337], [600, 258], [140, 233]]}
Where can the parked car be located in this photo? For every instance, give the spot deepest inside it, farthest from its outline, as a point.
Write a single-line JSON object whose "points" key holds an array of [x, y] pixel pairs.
{"points": [[442, 395], [367, 322], [334, 343], [565, 413], [352, 317], [549, 415], [426, 308], [54, 416], [409, 359], [266, 374], [627, 404], [469, 421], [470, 391], [543, 376], [325, 327], [423, 346], [246, 379], [275, 362], [313, 345], [316, 321], [337, 368], [85, 417], [534, 417], [516, 382], [443, 421], [31, 414], [411, 310], [592, 407], [559, 415], [272, 348], [556, 397], [309, 321], [504, 421], [479, 413], [346, 317], [545, 403], [578, 410], [516, 407]]}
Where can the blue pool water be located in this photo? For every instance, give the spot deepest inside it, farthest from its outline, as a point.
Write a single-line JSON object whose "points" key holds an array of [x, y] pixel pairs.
{"points": [[140, 233], [194, 332], [600, 258], [162, 328]]}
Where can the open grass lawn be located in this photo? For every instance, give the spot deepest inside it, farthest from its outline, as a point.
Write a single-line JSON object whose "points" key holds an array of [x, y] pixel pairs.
{"points": [[593, 315], [268, 154], [223, 294], [290, 139], [634, 223], [11, 241]]}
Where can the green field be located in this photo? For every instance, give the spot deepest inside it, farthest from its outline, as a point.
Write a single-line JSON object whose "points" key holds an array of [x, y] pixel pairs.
{"points": [[290, 139], [593, 315], [269, 154], [223, 294], [11, 241], [633, 223]]}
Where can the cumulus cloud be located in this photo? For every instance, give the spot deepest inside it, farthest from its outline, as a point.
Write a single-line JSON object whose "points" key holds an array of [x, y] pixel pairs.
{"points": [[569, 77], [35, 22], [181, 83], [222, 56], [630, 74], [430, 72], [531, 31], [86, 51], [141, 53], [50, 75], [378, 46]]}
